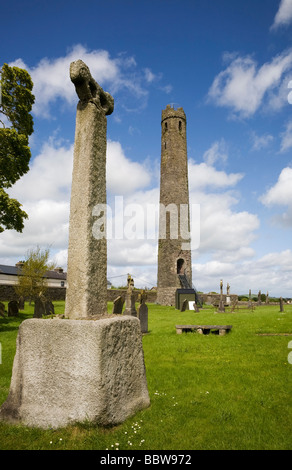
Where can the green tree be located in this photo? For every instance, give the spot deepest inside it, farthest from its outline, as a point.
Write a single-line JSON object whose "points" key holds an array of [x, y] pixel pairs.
{"points": [[32, 282], [16, 100]]}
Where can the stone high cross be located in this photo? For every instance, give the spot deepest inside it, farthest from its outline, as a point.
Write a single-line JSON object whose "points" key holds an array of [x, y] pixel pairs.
{"points": [[87, 255]]}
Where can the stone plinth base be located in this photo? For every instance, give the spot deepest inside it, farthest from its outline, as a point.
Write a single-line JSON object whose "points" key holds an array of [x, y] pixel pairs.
{"points": [[68, 371]]}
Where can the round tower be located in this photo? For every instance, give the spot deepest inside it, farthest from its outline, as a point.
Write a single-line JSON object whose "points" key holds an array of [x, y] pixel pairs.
{"points": [[174, 247]]}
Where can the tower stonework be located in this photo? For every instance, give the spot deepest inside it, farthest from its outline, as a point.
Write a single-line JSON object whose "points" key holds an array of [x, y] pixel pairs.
{"points": [[174, 243]]}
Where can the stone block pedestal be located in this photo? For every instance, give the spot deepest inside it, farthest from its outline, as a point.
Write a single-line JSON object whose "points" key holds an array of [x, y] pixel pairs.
{"points": [[68, 371]]}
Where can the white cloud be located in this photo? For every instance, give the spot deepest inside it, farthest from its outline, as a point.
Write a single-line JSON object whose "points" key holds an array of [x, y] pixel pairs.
{"points": [[271, 273], [202, 175], [123, 175], [284, 14], [217, 152], [243, 85], [50, 174], [52, 81], [281, 195], [281, 192], [261, 141], [286, 138]]}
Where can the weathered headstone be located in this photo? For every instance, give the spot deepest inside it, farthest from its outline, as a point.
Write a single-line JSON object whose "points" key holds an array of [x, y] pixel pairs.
{"points": [[86, 294], [13, 308], [259, 298], [196, 308], [281, 305], [249, 299], [221, 307], [142, 313], [130, 308], [2, 310], [118, 305], [184, 305], [39, 308], [49, 308]]}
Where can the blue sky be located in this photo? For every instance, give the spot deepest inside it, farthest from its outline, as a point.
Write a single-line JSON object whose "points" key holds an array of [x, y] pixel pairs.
{"points": [[228, 64]]}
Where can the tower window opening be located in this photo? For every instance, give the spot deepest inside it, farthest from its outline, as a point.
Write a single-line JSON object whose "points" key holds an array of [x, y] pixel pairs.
{"points": [[179, 126], [165, 145], [165, 126], [180, 266]]}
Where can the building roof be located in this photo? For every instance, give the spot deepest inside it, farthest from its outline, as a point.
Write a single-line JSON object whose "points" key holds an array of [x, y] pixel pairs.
{"points": [[15, 270]]}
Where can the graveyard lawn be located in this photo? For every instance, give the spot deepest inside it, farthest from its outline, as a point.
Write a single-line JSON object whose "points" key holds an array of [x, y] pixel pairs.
{"points": [[208, 392]]}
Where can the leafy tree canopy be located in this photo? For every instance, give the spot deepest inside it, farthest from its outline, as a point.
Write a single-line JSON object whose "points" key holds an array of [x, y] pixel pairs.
{"points": [[17, 125], [32, 282]]}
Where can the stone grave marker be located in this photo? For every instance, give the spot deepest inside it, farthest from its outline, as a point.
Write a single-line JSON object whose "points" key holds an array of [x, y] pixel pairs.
{"points": [[130, 308], [118, 305], [185, 305], [49, 308], [143, 317], [2, 310], [39, 308], [13, 308]]}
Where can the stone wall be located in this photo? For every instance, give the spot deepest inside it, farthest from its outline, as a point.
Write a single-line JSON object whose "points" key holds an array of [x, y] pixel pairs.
{"points": [[112, 294], [215, 298], [7, 293]]}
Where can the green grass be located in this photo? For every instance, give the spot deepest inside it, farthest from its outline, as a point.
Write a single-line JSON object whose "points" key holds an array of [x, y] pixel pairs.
{"points": [[206, 391]]}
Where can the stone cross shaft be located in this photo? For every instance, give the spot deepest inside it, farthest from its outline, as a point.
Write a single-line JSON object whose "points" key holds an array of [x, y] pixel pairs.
{"points": [[87, 256]]}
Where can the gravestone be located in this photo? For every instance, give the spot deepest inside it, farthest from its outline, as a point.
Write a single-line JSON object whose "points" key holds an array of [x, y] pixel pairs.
{"points": [[49, 308], [281, 305], [259, 298], [13, 308], [118, 305], [249, 299], [221, 307], [184, 306], [142, 311], [196, 308], [2, 310], [130, 308], [39, 308]]}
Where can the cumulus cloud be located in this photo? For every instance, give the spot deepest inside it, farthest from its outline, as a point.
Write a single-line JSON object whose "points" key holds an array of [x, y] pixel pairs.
{"points": [[45, 194], [284, 15], [217, 152], [123, 175], [286, 138], [281, 192], [202, 175], [281, 195], [266, 274], [52, 82], [50, 174], [261, 141], [244, 85]]}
